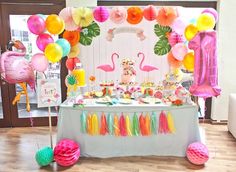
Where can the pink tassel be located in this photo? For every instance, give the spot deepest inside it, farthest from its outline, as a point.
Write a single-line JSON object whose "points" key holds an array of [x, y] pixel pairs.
{"points": [[163, 123], [122, 124]]}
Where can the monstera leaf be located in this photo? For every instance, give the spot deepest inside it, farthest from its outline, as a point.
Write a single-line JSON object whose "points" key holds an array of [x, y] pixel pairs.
{"points": [[162, 47], [93, 29], [87, 34], [161, 31]]}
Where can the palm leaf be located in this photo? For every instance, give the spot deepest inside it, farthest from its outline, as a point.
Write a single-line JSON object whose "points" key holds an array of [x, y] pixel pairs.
{"points": [[93, 29], [162, 47], [85, 39], [161, 31]]}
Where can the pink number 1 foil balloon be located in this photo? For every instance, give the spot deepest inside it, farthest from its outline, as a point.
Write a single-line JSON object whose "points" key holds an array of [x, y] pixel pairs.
{"points": [[205, 65]]}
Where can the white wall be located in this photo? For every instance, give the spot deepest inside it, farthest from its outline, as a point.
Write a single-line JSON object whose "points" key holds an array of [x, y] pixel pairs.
{"points": [[227, 58]]}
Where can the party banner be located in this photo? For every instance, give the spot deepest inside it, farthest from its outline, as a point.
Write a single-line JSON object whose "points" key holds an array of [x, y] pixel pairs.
{"points": [[81, 3], [48, 92]]}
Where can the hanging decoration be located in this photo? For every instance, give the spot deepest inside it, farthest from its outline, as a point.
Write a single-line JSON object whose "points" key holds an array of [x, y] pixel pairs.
{"points": [[166, 16], [112, 124], [101, 14], [87, 33], [135, 15], [82, 16], [118, 15], [66, 15], [150, 13]]}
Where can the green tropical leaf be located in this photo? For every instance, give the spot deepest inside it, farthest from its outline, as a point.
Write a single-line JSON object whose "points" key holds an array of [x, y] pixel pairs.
{"points": [[161, 31], [85, 39], [94, 29], [162, 47]]}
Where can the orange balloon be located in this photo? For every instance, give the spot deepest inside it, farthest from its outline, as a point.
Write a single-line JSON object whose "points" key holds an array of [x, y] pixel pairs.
{"points": [[54, 24], [72, 37], [166, 16], [135, 15], [173, 62]]}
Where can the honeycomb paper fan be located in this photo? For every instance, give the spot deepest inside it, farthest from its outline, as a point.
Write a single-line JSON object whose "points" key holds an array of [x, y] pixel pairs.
{"points": [[82, 16], [66, 15]]}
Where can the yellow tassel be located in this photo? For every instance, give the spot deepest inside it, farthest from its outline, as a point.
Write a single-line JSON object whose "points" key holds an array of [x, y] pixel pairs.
{"points": [[89, 124], [170, 121], [128, 126], [147, 123], [116, 126], [95, 129]]}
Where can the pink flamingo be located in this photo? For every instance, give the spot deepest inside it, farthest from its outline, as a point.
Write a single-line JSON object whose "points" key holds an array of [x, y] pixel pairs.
{"points": [[145, 68], [107, 67], [16, 69]]}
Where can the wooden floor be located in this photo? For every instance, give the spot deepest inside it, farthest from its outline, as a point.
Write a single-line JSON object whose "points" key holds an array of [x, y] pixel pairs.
{"points": [[18, 147]]}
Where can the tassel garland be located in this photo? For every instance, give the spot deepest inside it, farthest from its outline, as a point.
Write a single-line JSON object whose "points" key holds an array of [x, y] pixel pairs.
{"points": [[127, 125]]}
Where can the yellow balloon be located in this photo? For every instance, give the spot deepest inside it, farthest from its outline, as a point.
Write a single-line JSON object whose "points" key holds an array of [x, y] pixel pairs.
{"points": [[189, 61], [53, 52], [190, 32], [205, 22], [74, 51], [54, 24]]}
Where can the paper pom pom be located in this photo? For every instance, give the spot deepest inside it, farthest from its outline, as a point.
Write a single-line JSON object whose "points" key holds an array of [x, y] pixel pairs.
{"points": [[71, 62], [197, 153], [66, 152], [175, 38], [74, 51], [150, 13], [82, 16], [118, 15], [211, 11], [66, 15], [72, 37], [135, 15], [44, 156], [173, 62], [178, 26], [179, 51], [166, 16], [100, 14]]}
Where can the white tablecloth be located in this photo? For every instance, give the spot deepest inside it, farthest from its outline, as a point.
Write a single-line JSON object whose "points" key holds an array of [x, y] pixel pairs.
{"points": [[185, 119]]}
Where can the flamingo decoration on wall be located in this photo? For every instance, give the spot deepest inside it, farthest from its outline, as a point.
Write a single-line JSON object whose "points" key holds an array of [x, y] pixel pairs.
{"points": [[107, 67], [145, 68]]}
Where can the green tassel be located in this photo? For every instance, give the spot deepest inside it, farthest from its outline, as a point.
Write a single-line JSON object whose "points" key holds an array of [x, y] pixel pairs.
{"points": [[83, 122], [135, 125], [110, 124], [154, 123]]}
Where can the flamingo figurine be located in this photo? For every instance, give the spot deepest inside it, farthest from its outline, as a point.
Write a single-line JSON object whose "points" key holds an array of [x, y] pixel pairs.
{"points": [[145, 68], [15, 69], [107, 67]]}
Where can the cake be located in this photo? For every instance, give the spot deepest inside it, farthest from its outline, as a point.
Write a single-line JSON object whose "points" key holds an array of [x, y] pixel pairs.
{"points": [[128, 75]]}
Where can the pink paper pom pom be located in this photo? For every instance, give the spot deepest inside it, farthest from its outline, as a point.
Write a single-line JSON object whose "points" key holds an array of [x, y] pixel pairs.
{"points": [[118, 15], [150, 13], [101, 14], [175, 38]]}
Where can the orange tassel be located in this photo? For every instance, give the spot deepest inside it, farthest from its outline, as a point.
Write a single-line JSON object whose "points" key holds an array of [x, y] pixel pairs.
{"points": [[103, 129], [116, 126], [147, 123]]}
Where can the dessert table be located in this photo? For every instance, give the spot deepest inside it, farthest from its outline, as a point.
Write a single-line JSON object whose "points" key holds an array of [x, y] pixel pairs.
{"points": [[185, 120]]}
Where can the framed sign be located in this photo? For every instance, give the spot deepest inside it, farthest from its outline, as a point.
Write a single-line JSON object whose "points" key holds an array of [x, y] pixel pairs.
{"points": [[48, 92]]}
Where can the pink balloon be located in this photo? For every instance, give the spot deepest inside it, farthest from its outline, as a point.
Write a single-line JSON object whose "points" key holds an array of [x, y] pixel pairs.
{"points": [[101, 14], [179, 51], [39, 62], [178, 26], [43, 40], [150, 13], [205, 65], [36, 24], [66, 15]]}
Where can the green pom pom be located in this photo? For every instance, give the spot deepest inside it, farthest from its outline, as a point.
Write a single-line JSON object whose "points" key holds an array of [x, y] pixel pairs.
{"points": [[71, 80], [44, 156]]}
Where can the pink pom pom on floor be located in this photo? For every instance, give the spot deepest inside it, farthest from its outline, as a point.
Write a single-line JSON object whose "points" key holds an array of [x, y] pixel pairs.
{"points": [[197, 153]]}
